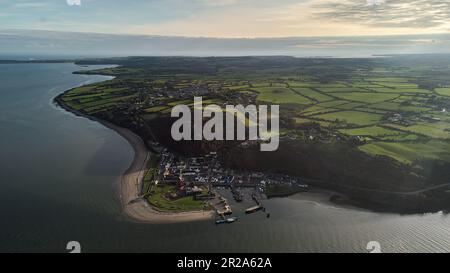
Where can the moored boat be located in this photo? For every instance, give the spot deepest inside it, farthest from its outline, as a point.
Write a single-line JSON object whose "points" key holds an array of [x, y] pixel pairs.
{"points": [[226, 221], [254, 209]]}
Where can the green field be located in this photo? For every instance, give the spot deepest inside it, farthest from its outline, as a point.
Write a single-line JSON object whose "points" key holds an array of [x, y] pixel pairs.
{"points": [[365, 97], [387, 80], [400, 138], [309, 93], [398, 110], [184, 204], [341, 89], [350, 105], [409, 152], [433, 130], [351, 117], [316, 109], [97, 98], [443, 91], [329, 104], [370, 131], [280, 95], [149, 174]]}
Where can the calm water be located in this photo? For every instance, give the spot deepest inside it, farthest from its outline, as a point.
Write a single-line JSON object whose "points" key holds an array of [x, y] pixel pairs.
{"points": [[58, 183]]}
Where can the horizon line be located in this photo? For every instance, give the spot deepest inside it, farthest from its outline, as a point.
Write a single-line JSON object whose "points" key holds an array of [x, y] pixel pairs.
{"points": [[223, 38]]}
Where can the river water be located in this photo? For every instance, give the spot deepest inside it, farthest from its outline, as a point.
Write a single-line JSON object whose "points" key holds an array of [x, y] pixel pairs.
{"points": [[59, 177]]}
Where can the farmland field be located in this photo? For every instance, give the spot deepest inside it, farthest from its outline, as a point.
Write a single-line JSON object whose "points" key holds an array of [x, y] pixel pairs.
{"points": [[382, 110], [352, 117], [370, 131], [409, 152], [365, 97], [443, 91], [309, 93], [280, 95]]}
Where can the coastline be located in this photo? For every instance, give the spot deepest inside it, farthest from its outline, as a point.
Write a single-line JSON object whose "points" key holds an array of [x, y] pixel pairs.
{"points": [[140, 210], [134, 207], [324, 197]]}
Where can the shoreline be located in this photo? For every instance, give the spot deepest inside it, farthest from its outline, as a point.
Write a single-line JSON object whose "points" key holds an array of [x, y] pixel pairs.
{"points": [[140, 210], [134, 207], [327, 198], [131, 181]]}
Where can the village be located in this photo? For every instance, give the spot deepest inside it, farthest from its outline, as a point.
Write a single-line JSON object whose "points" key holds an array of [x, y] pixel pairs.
{"points": [[204, 179]]}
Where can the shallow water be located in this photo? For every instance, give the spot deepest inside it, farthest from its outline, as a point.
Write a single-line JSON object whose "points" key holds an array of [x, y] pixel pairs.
{"points": [[58, 183]]}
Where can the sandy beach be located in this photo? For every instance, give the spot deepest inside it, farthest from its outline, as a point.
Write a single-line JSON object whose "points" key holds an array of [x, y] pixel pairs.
{"points": [[135, 207]]}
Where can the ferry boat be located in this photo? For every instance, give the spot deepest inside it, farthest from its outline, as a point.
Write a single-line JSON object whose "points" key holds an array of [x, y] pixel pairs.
{"points": [[226, 221], [254, 209]]}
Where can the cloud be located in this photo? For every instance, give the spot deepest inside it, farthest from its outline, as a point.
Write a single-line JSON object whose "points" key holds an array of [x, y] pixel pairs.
{"points": [[387, 13], [218, 2], [375, 2], [373, 42], [74, 2], [234, 18], [47, 42], [30, 5]]}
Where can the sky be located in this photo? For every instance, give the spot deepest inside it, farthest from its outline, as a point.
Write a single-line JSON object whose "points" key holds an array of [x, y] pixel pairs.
{"points": [[224, 27], [230, 18]]}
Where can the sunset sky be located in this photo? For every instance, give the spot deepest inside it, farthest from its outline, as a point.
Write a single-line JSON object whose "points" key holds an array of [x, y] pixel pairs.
{"points": [[230, 18]]}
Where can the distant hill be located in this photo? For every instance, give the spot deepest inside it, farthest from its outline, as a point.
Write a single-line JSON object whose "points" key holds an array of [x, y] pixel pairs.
{"points": [[39, 42]]}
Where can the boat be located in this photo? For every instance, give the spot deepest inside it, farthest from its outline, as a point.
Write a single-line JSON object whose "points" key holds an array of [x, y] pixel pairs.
{"points": [[237, 195], [254, 209], [227, 211], [226, 221]]}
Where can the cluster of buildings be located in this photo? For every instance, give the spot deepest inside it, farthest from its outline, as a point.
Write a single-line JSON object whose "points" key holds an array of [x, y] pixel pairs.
{"points": [[192, 175], [398, 118], [149, 95], [170, 90], [314, 132]]}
